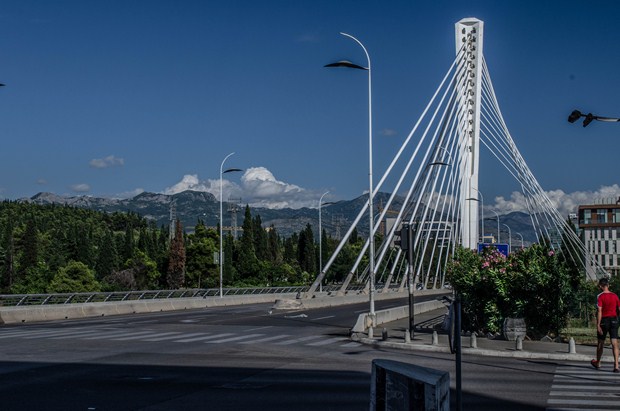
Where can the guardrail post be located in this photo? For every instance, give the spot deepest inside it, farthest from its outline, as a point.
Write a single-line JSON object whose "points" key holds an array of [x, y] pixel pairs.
{"points": [[571, 346], [473, 341], [519, 343]]}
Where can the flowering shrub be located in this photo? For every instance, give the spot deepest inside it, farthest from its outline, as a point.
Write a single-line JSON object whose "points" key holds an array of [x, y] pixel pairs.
{"points": [[533, 283]]}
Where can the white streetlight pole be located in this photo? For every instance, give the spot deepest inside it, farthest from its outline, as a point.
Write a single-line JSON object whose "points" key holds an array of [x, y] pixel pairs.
{"points": [[371, 228], [509, 238], [519, 234], [222, 171], [321, 241], [481, 211], [497, 215]]}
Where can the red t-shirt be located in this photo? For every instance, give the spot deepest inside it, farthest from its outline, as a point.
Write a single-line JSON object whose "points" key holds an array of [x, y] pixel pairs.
{"points": [[609, 302]]}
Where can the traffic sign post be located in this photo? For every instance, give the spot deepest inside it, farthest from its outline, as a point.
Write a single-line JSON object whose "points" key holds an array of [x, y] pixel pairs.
{"points": [[454, 337], [404, 241]]}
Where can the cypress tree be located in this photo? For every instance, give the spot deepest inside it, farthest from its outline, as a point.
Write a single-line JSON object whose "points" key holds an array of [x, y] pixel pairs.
{"points": [[260, 239], [128, 245], [305, 250], [290, 248], [176, 264], [247, 262], [7, 274], [30, 248], [273, 244], [107, 260]]}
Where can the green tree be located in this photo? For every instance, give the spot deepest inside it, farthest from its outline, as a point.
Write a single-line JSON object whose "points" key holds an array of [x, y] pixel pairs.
{"points": [[290, 249], [75, 277], [175, 277], [306, 251], [261, 245], [127, 249], [35, 281], [107, 260], [29, 245], [143, 270], [247, 263], [7, 273], [273, 244], [201, 270]]}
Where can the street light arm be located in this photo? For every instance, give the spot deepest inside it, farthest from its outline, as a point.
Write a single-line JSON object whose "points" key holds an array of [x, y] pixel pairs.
{"points": [[362, 46], [576, 115]]}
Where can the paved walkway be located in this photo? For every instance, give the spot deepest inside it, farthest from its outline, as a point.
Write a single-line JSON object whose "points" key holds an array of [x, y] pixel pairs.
{"points": [[427, 322]]}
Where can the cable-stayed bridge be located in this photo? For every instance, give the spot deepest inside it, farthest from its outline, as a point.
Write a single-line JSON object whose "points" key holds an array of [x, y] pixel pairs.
{"points": [[437, 168]]}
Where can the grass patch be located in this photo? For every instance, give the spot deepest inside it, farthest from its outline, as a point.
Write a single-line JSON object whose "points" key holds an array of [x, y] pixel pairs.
{"points": [[581, 335]]}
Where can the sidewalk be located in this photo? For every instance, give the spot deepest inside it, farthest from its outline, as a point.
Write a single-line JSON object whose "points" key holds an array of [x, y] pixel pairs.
{"points": [[427, 322]]}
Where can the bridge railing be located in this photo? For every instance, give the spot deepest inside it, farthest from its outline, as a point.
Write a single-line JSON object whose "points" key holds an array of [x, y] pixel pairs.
{"points": [[13, 300]]}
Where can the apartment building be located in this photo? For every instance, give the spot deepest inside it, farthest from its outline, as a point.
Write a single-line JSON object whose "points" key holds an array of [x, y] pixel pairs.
{"points": [[599, 228]]}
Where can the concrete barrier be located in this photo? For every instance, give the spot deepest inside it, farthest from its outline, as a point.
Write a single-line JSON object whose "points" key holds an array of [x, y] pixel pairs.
{"points": [[320, 301], [393, 314], [21, 314], [399, 386]]}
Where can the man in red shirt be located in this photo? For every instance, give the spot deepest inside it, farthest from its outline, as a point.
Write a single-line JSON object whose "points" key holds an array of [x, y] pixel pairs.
{"points": [[608, 306]]}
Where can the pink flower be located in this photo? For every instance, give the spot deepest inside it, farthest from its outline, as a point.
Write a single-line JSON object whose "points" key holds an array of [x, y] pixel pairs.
{"points": [[551, 253]]}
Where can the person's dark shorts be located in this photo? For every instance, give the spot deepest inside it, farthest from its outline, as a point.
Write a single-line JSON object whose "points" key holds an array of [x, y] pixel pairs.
{"points": [[608, 325]]}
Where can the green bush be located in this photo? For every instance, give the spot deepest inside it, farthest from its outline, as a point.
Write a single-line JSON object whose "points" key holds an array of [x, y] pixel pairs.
{"points": [[535, 283]]}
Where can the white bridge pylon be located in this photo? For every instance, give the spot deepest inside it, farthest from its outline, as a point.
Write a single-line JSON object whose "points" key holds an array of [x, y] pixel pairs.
{"points": [[436, 172]]}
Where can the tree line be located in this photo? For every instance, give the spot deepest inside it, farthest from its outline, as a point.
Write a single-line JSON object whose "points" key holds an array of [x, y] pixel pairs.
{"points": [[59, 248]]}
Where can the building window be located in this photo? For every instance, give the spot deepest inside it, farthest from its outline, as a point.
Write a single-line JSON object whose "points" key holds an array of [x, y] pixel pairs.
{"points": [[587, 216], [615, 215]]}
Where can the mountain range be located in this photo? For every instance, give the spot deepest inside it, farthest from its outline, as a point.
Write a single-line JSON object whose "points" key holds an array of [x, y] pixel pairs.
{"points": [[189, 206]]}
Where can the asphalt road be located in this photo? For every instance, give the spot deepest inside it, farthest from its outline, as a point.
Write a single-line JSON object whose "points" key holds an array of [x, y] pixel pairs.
{"points": [[231, 358]]}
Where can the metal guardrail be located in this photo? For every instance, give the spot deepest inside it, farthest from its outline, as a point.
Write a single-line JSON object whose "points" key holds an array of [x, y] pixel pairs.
{"points": [[15, 300]]}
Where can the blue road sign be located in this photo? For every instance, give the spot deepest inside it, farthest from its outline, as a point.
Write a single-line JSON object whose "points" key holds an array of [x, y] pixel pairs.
{"points": [[502, 248]]}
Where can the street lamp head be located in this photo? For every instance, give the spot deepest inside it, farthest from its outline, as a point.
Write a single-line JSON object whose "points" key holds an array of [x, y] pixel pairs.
{"points": [[438, 163], [588, 119], [230, 170], [574, 116], [346, 63]]}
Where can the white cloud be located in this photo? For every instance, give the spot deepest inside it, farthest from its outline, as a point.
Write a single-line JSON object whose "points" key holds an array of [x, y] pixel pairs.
{"points": [[109, 161], [258, 188], [565, 203], [41, 181], [80, 188]]}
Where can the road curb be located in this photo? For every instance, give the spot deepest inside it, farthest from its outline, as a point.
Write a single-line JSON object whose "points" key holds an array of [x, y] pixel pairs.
{"points": [[508, 353]]}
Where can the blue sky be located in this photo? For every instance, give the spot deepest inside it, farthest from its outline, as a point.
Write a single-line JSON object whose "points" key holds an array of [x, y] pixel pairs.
{"points": [[111, 98]]}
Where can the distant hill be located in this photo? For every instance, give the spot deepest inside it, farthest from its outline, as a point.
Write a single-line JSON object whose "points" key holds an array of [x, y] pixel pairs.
{"points": [[189, 206]]}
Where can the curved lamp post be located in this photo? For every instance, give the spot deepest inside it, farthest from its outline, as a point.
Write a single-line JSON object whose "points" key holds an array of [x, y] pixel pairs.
{"points": [[222, 172], [519, 234], [371, 242], [576, 115], [497, 215], [509, 238]]}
